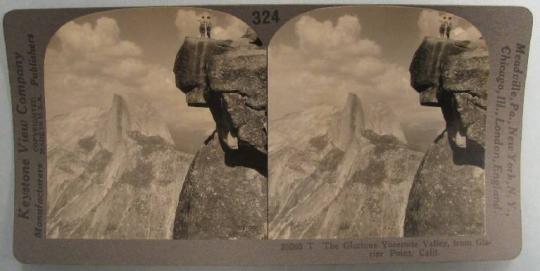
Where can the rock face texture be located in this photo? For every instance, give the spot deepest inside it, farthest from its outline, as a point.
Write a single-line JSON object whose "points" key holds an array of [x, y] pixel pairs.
{"points": [[112, 173], [447, 197], [332, 176], [225, 192]]}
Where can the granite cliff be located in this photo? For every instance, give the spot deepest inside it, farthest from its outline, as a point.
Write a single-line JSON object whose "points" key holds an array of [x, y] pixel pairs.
{"points": [[224, 195], [447, 197], [112, 173], [338, 173]]}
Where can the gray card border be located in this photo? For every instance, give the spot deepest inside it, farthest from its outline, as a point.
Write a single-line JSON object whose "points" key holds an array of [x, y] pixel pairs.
{"points": [[502, 27]]}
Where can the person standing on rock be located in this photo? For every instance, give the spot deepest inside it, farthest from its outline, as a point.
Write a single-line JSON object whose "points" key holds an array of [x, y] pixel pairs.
{"points": [[202, 27], [448, 27], [208, 27], [442, 28]]}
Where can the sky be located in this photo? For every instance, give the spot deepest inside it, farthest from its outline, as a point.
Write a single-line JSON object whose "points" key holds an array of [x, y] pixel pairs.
{"points": [[131, 52], [317, 57], [321, 56]]}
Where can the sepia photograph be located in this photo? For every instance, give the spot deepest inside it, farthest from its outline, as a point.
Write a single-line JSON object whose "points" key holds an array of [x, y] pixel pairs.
{"points": [[376, 124], [265, 135], [175, 123], [156, 127]]}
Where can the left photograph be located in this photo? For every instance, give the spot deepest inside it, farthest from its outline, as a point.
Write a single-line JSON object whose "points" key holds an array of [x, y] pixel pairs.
{"points": [[156, 127]]}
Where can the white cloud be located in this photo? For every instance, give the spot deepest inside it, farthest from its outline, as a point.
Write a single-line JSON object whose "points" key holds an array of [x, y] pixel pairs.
{"points": [[126, 68], [100, 40], [340, 40], [93, 62], [331, 60], [90, 49], [467, 33], [234, 29], [430, 20]]}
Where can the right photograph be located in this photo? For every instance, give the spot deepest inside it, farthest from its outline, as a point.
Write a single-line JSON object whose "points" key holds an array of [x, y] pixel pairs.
{"points": [[376, 124]]}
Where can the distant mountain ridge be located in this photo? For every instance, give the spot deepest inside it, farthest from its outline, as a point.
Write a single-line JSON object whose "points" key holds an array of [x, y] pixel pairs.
{"points": [[335, 174], [112, 173]]}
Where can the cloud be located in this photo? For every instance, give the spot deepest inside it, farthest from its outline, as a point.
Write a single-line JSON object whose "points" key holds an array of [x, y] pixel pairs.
{"points": [[467, 33], [430, 20], [330, 60], [126, 68], [338, 40], [93, 62], [90, 49], [100, 40], [234, 29]]}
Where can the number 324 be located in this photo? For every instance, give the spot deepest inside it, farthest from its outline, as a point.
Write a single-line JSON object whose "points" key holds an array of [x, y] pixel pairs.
{"points": [[265, 17]]}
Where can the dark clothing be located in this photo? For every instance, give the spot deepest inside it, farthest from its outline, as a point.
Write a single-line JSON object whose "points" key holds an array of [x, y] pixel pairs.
{"points": [[202, 28], [445, 29], [208, 26], [442, 29]]}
